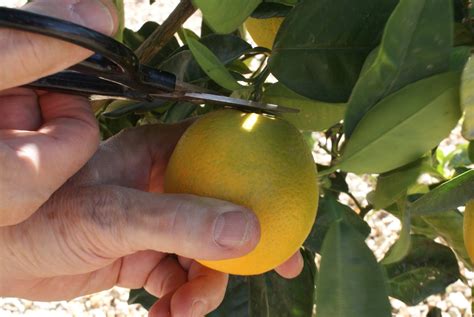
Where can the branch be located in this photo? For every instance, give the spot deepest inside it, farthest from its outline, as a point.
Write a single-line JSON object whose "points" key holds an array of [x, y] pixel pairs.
{"points": [[158, 39]]}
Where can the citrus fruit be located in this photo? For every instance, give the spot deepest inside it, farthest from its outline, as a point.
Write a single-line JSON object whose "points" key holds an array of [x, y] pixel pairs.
{"points": [[256, 161], [469, 229], [263, 31]]}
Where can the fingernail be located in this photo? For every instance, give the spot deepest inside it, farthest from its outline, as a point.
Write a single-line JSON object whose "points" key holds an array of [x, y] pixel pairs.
{"points": [[94, 14], [198, 309], [232, 228]]}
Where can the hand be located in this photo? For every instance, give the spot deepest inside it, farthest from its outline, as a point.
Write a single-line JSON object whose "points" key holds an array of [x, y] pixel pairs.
{"points": [[45, 138], [112, 225]]}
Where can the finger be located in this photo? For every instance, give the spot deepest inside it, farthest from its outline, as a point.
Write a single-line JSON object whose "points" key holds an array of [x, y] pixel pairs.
{"points": [[136, 268], [27, 56], [19, 109], [185, 262], [201, 295], [166, 277], [187, 225], [54, 288], [135, 157], [65, 142], [292, 267], [162, 308], [124, 221]]}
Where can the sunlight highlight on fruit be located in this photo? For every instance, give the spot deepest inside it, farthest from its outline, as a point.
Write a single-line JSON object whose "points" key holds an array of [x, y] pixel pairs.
{"points": [[250, 122]]}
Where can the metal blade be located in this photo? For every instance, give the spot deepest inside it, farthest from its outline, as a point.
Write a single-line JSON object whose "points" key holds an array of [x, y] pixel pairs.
{"points": [[246, 105]]}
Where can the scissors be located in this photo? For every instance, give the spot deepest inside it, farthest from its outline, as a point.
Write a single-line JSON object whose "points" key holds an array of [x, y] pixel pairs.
{"points": [[114, 71]]}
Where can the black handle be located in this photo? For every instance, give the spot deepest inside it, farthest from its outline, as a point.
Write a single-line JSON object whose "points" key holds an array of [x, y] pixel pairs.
{"points": [[72, 33], [114, 64]]}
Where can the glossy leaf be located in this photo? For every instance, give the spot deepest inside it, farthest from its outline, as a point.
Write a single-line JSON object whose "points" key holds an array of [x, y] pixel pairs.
{"points": [[321, 47], [428, 269], [225, 16], [416, 44], [313, 116], [178, 112], [268, 10], [394, 184], [402, 246], [226, 48], [350, 281], [403, 126], [121, 108], [121, 19], [329, 211], [236, 299], [273, 295], [459, 58], [447, 196], [449, 226], [467, 100], [134, 39], [142, 297], [470, 151], [211, 65]]}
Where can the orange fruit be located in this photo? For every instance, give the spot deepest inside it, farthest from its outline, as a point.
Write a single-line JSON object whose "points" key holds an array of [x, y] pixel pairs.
{"points": [[469, 229], [263, 31], [257, 161]]}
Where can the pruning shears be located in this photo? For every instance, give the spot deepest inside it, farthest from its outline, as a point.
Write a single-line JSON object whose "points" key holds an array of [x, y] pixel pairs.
{"points": [[114, 71]]}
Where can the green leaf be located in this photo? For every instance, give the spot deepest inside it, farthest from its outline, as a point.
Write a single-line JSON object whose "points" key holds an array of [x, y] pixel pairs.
{"points": [[178, 112], [350, 281], [320, 57], [428, 269], [458, 58], [449, 226], [447, 196], [467, 100], [403, 126], [142, 297], [134, 39], [225, 16], [394, 184], [120, 108], [121, 19], [273, 295], [268, 10], [226, 47], [470, 151], [329, 211], [435, 312], [236, 299], [402, 246], [313, 116], [416, 44], [211, 65]]}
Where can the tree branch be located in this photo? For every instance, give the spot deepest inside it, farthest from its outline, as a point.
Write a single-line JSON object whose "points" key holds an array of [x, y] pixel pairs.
{"points": [[158, 39]]}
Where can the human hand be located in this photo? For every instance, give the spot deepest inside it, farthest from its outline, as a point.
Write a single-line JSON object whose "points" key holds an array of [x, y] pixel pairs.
{"points": [[45, 138], [112, 225]]}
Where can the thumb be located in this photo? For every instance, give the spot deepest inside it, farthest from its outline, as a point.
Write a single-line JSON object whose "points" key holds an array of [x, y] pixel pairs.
{"points": [[26, 57], [124, 221]]}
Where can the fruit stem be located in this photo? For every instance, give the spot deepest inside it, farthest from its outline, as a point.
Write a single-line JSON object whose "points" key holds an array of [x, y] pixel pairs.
{"points": [[158, 39]]}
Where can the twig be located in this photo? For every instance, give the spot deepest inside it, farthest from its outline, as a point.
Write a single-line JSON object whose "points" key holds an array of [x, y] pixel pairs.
{"points": [[158, 39]]}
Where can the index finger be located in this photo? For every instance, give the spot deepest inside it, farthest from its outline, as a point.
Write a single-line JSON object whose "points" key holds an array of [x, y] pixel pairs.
{"points": [[26, 57]]}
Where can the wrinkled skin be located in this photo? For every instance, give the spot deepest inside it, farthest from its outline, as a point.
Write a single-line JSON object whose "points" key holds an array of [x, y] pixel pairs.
{"points": [[100, 228]]}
